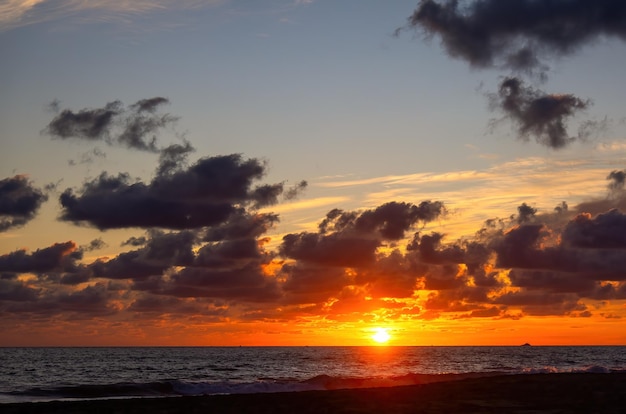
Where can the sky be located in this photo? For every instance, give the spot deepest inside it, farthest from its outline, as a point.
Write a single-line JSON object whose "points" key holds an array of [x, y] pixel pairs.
{"points": [[308, 172]]}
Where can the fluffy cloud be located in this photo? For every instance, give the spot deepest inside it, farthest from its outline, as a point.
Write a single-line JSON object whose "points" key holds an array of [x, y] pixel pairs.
{"points": [[19, 201], [207, 193], [519, 35]]}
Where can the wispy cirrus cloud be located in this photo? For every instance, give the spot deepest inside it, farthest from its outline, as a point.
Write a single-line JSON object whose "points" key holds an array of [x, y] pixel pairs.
{"points": [[13, 11], [17, 13]]}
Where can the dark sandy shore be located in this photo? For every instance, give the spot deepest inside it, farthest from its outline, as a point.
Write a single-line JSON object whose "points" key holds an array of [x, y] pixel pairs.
{"points": [[551, 393]]}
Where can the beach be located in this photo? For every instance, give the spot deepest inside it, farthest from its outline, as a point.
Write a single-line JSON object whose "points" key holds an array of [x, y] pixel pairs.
{"points": [[531, 393]]}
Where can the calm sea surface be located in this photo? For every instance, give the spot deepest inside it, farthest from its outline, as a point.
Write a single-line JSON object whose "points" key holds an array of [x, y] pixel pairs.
{"points": [[36, 374]]}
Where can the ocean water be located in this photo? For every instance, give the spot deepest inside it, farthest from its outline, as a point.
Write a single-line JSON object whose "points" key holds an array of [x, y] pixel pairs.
{"points": [[43, 374]]}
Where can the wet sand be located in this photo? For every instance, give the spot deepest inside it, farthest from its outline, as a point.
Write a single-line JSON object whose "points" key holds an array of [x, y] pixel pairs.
{"points": [[540, 393]]}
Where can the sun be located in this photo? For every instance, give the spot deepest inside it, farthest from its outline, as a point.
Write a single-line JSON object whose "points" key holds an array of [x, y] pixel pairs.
{"points": [[381, 336]]}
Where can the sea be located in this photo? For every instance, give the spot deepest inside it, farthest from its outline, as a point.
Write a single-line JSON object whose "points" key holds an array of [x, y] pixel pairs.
{"points": [[46, 374]]}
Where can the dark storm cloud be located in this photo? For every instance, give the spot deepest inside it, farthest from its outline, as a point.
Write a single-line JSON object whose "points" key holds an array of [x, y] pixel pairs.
{"points": [[135, 127], [205, 194], [19, 202], [518, 34], [537, 114]]}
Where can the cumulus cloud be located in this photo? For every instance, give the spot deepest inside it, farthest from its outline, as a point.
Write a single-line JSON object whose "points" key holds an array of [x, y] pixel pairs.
{"points": [[351, 238], [58, 257], [527, 264], [520, 35], [161, 251], [205, 194], [19, 201], [206, 246]]}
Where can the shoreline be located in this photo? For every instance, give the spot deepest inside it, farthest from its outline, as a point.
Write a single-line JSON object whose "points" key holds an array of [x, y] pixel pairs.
{"points": [[564, 392]]}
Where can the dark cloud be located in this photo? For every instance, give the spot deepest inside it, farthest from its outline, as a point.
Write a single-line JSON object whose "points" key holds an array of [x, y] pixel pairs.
{"points": [[19, 201], [525, 213], [205, 194], [393, 275], [161, 251], [95, 244], [58, 257], [136, 126], [562, 208], [551, 281], [82, 303], [541, 303], [247, 283], [87, 157], [135, 241], [156, 304], [618, 179], [295, 191], [17, 291], [537, 114], [173, 157], [605, 231], [521, 34], [431, 251], [330, 250], [309, 283], [352, 238], [560, 262], [242, 226], [90, 124], [150, 104]]}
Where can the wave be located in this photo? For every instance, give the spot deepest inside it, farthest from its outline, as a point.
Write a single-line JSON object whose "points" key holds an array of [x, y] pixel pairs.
{"points": [[170, 388]]}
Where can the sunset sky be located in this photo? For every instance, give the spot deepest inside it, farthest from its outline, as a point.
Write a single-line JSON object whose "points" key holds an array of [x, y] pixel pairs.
{"points": [[306, 172]]}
